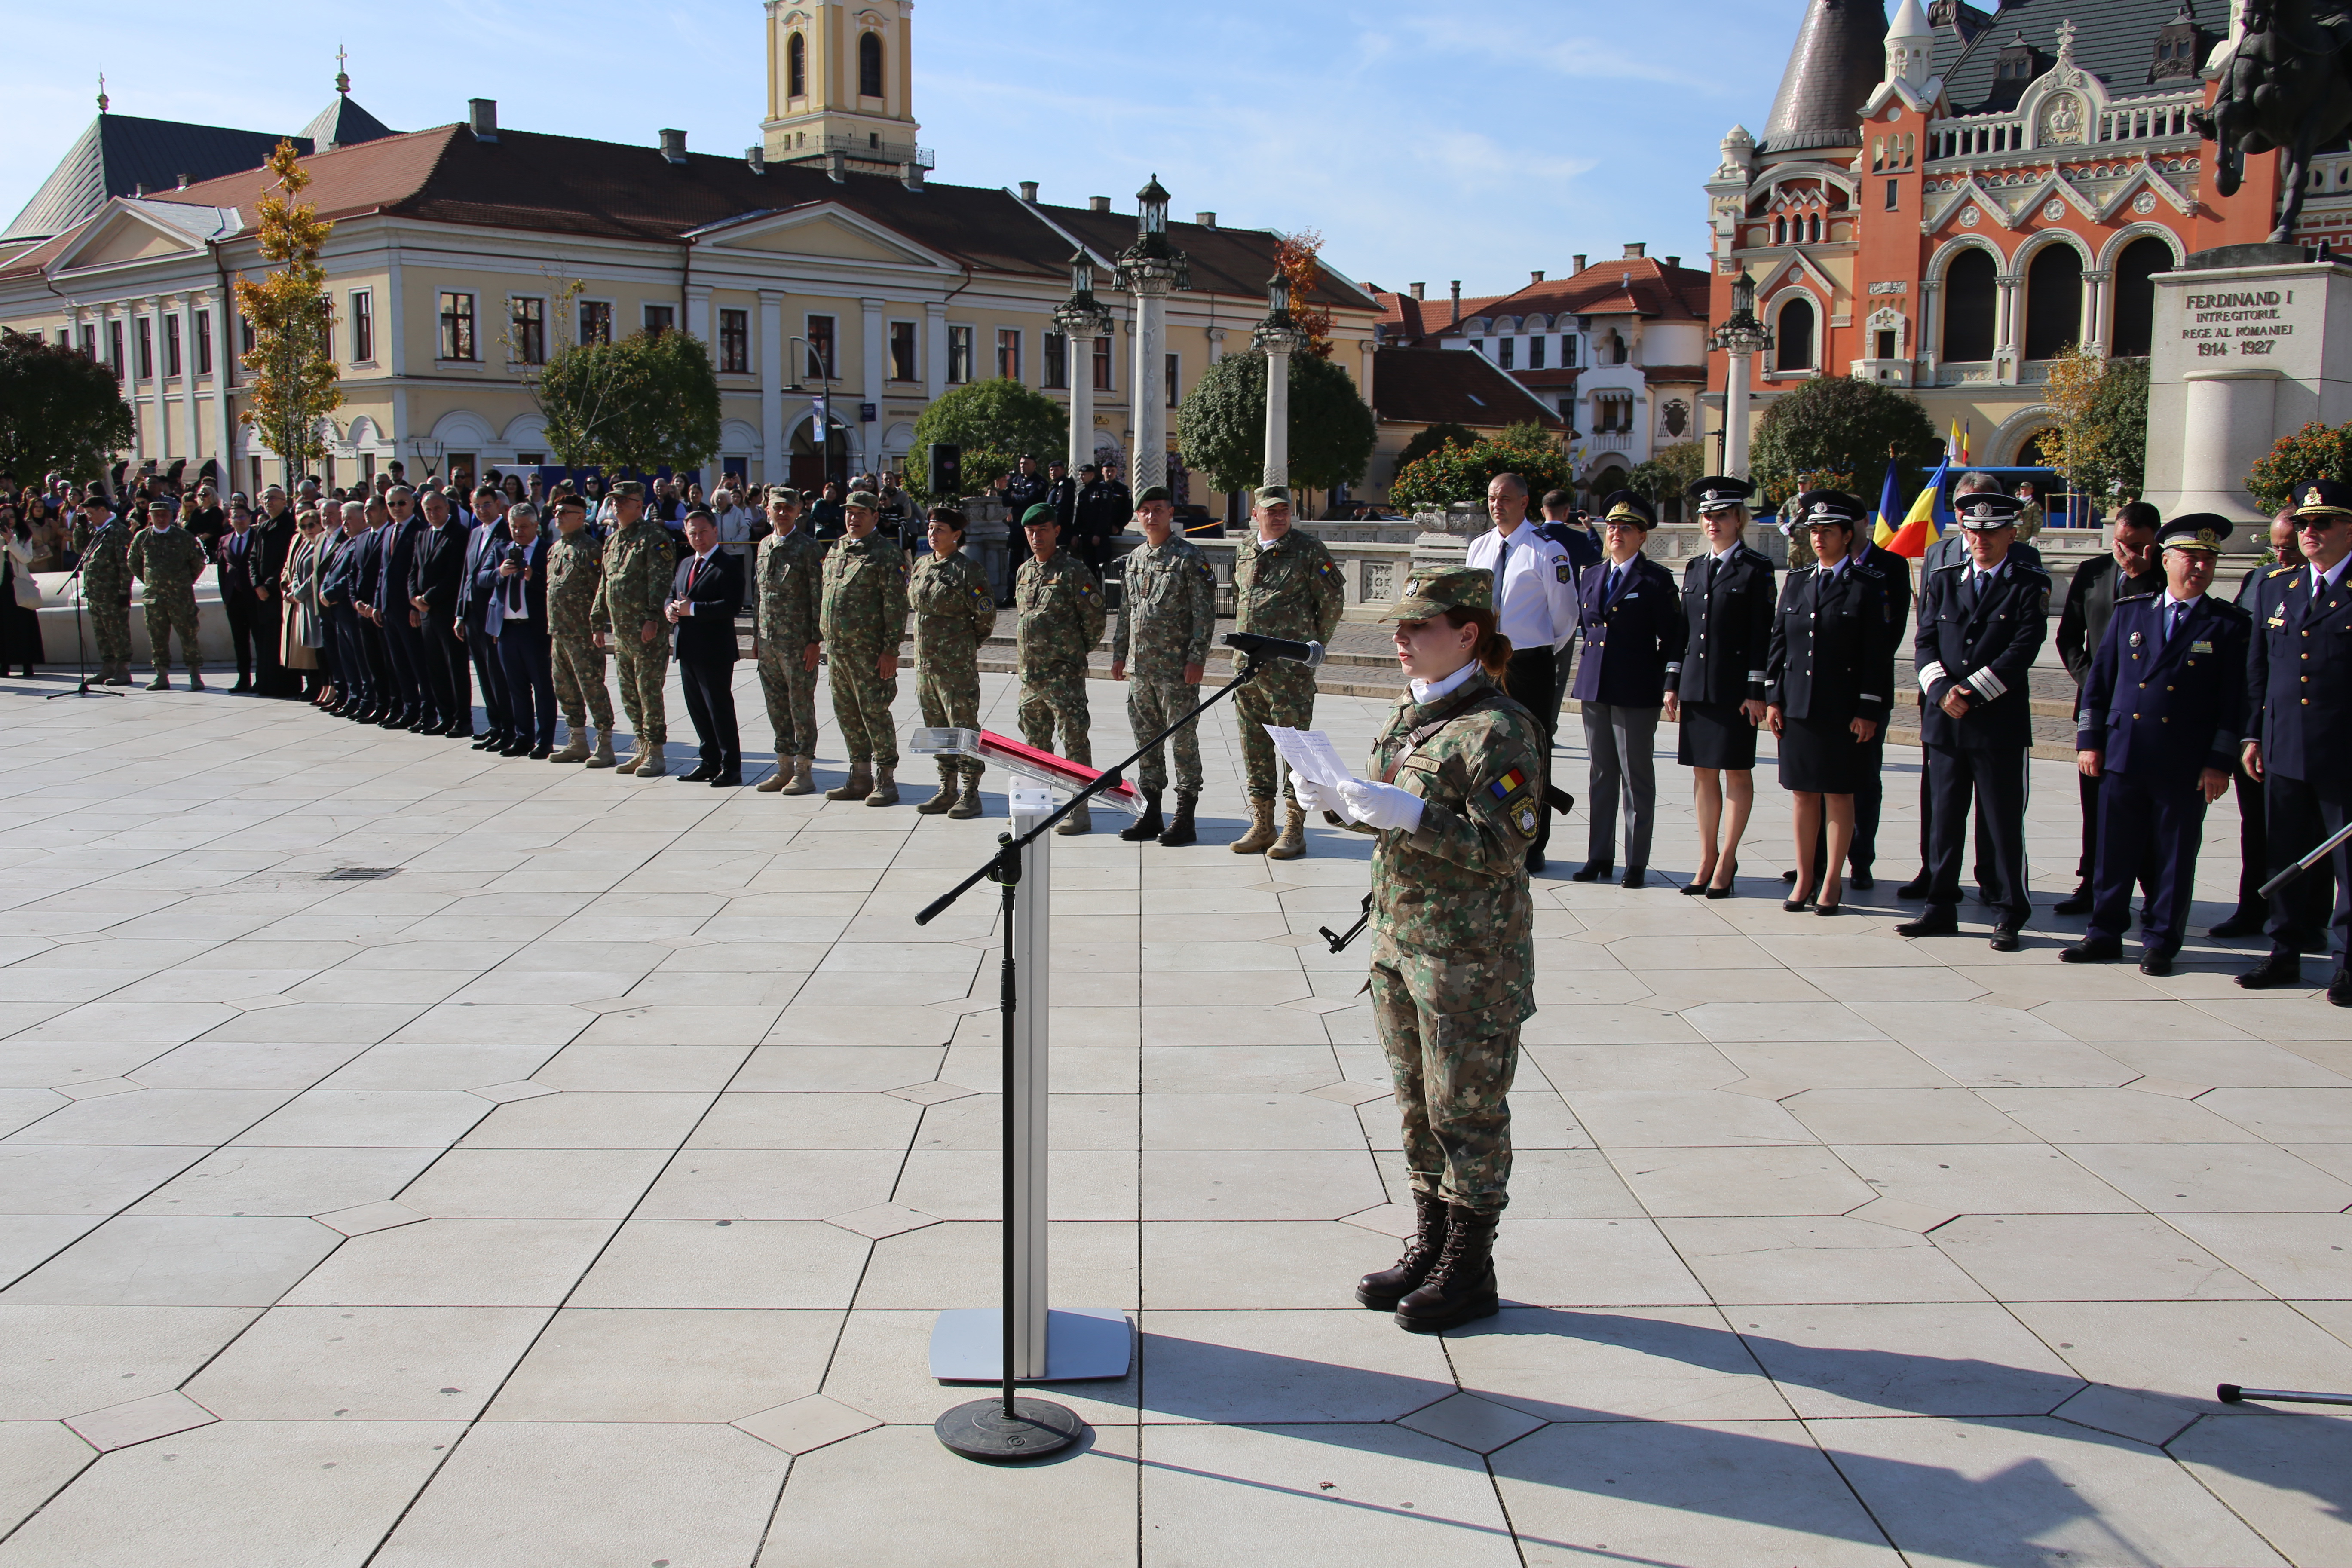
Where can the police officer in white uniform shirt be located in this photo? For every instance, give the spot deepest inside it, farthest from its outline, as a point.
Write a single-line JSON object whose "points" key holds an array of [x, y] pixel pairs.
{"points": [[1535, 607]]}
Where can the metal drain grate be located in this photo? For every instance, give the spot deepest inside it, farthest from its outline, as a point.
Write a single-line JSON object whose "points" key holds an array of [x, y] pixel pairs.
{"points": [[361, 874]]}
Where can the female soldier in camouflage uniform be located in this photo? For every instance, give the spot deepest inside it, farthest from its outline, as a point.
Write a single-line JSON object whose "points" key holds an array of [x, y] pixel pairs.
{"points": [[1453, 953], [955, 611]]}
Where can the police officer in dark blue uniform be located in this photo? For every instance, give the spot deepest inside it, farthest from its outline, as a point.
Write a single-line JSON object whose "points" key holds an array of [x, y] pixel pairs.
{"points": [[2162, 710], [2299, 731], [1571, 529], [1631, 619], [1981, 625]]}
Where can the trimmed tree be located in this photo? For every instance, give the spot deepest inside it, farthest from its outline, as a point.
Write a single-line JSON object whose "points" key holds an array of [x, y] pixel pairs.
{"points": [[645, 402], [1222, 422], [59, 409], [1669, 473], [994, 422], [293, 386], [1463, 473], [1843, 424]]}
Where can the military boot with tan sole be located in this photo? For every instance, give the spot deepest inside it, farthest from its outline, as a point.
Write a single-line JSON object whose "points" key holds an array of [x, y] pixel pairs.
{"points": [[1260, 837], [1293, 842], [652, 764], [967, 805], [857, 786], [803, 781], [946, 797], [886, 787]]}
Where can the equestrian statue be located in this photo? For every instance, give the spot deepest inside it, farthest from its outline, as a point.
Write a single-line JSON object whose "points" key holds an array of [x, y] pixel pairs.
{"points": [[2286, 83]]}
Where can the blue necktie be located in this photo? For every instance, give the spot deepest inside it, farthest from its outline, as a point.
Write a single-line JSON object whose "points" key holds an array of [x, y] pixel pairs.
{"points": [[2174, 615]]}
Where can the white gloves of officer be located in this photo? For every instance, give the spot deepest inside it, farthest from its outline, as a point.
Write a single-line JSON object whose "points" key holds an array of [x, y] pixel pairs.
{"points": [[1382, 805], [1315, 797]]}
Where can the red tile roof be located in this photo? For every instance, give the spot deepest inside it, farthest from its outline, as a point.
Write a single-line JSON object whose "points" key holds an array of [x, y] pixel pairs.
{"points": [[1433, 386], [1412, 322], [1639, 284]]}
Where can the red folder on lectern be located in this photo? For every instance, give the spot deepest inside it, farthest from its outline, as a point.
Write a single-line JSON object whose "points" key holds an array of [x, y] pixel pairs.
{"points": [[1028, 762]]}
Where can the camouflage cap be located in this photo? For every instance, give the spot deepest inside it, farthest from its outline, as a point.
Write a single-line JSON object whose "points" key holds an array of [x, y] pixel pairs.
{"points": [[626, 488], [865, 499], [1271, 495], [1153, 493], [1428, 593], [1042, 515], [785, 494]]}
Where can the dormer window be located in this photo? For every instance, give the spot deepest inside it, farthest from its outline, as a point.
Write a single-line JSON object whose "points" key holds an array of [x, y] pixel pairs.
{"points": [[2176, 49]]}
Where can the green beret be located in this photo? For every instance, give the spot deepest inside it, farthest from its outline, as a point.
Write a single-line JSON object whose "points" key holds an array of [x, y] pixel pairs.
{"points": [[1040, 514], [1271, 495], [1434, 593], [865, 499], [1153, 493]]}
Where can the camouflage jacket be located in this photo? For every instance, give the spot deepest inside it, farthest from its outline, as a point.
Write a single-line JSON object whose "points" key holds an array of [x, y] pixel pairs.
{"points": [[784, 580], [955, 610], [1457, 887], [575, 570], [169, 561], [1168, 611], [1062, 612], [639, 568], [106, 560], [864, 600], [1291, 588]]}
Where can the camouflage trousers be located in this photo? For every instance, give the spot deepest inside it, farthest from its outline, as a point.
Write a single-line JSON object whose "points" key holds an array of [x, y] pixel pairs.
{"points": [[1056, 697], [1153, 702], [948, 690], [580, 681], [861, 706], [641, 667], [791, 691], [1282, 694], [168, 613], [109, 628], [1452, 1068]]}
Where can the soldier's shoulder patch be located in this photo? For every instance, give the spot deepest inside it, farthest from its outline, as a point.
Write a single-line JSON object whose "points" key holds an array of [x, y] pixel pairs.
{"points": [[1563, 569], [1206, 570], [982, 597], [1513, 792], [1328, 567]]}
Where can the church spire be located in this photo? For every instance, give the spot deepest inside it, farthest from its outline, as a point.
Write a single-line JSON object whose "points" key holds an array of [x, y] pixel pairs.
{"points": [[1838, 59]]}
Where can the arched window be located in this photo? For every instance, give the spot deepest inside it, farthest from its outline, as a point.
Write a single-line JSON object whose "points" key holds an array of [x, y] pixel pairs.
{"points": [[796, 67], [1794, 336], [1969, 305], [1779, 231], [1813, 230], [869, 64], [2136, 271], [2053, 302]]}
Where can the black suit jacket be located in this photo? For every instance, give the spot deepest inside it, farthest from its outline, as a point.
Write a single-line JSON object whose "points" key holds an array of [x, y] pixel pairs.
{"points": [[438, 571], [400, 544], [277, 537], [714, 587], [238, 560], [2299, 676], [1989, 650], [2090, 600]]}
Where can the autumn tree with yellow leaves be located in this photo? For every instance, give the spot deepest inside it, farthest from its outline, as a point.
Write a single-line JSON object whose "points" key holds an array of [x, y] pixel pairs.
{"points": [[293, 386]]}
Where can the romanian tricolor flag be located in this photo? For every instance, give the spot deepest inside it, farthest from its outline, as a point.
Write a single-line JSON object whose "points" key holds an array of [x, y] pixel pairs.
{"points": [[1888, 500], [1956, 444], [1918, 529]]}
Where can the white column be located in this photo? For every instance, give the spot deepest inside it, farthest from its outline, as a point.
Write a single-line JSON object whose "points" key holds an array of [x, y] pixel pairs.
{"points": [[1216, 345], [1150, 392], [2008, 352], [698, 318], [186, 305], [224, 357], [1278, 418], [1079, 351], [1735, 413], [2093, 331], [869, 436], [156, 362], [935, 348], [775, 468]]}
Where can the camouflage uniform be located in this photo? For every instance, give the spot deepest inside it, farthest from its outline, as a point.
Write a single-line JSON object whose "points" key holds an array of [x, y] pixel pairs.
{"points": [[1453, 951], [106, 591], [1062, 618], [955, 612], [1291, 588], [864, 616], [1167, 612], [784, 580], [574, 573], [639, 568], [168, 563]]}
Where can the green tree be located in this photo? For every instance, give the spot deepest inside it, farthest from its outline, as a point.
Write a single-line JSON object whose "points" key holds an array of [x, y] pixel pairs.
{"points": [[1445, 433], [2118, 418], [1844, 425], [994, 422], [2315, 452], [1670, 471], [293, 385], [59, 409], [1463, 473], [1222, 423], [645, 402]]}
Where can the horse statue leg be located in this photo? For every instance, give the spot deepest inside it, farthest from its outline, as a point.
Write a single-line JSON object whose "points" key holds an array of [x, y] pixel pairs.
{"points": [[2294, 179]]}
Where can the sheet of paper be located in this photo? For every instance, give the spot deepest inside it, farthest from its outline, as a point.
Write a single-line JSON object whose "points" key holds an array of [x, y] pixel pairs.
{"points": [[1309, 753]]}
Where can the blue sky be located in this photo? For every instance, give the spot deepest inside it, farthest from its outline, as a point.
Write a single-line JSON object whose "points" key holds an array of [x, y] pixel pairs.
{"points": [[1426, 145]]}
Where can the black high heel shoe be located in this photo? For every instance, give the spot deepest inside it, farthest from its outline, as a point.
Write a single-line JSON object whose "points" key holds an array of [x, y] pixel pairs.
{"points": [[1796, 906], [1729, 882], [1692, 889]]}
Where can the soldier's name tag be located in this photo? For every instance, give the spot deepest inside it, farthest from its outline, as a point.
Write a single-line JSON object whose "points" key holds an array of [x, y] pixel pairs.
{"points": [[2278, 619], [2201, 647]]}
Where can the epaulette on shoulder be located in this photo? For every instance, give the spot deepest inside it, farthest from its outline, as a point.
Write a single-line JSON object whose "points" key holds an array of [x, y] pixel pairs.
{"points": [[1952, 565], [2282, 571], [2142, 597], [1867, 569]]}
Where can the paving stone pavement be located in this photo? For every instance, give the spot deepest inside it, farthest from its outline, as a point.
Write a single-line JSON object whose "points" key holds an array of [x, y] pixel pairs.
{"points": [[583, 1193]]}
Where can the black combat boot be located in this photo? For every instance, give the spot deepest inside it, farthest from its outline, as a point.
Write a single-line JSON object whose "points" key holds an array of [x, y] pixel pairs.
{"points": [[1461, 1288], [1180, 831], [1148, 825], [1421, 1249]]}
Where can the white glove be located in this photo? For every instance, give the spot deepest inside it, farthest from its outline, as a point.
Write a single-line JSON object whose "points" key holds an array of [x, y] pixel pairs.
{"points": [[1315, 797], [1382, 805]]}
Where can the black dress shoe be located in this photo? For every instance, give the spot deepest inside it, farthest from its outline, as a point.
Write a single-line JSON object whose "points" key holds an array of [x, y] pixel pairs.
{"points": [[244, 683], [701, 773], [2157, 964], [2241, 922], [732, 779], [2279, 972], [1936, 919], [1917, 888], [2339, 990], [2005, 939], [393, 721], [1592, 871], [2078, 903], [1637, 878], [1861, 880], [543, 751], [2092, 950], [515, 749], [424, 726], [1790, 876], [491, 741]]}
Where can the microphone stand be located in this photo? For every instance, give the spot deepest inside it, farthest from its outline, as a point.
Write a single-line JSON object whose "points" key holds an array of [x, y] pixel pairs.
{"points": [[75, 580]]}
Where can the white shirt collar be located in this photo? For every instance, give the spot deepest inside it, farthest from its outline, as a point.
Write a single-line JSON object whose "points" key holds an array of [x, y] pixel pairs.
{"points": [[705, 555], [1726, 554], [1430, 691], [1512, 537], [2171, 599]]}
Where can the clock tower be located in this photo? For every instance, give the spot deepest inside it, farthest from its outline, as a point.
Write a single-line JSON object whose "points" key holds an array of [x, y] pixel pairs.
{"points": [[841, 87]]}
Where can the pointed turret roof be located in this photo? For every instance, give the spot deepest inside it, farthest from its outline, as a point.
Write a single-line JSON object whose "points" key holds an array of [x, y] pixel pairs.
{"points": [[1840, 56], [343, 124], [1910, 22]]}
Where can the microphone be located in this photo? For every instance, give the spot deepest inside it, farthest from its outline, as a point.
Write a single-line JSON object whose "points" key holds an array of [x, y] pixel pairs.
{"points": [[1260, 649]]}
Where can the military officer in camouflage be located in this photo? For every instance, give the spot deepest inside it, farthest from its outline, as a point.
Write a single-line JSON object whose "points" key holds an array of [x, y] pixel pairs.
{"points": [[628, 612], [1286, 585], [785, 576], [167, 559], [863, 619], [1062, 615], [1167, 613], [104, 545], [574, 571], [955, 612], [1454, 795]]}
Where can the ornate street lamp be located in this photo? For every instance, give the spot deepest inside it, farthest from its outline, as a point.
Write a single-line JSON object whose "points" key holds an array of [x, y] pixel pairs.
{"points": [[1742, 337], [1277, 337], [1083, 318], [1150, 269]]}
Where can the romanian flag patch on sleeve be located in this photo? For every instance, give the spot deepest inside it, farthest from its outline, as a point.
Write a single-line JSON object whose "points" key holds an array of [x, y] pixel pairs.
{"points": [[1516, 795]]}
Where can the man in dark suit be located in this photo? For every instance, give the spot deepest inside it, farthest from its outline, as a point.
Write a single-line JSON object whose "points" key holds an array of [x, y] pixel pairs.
{"points": [[403, 640], [2254, 848], [2162, 709], [274, 535], [1631, 619], [434, 576], [1980, 627], [2128, 570], [515, 615], [236, 560], [1569, 529], [704, 598], [2299, 732], [485, 545]]}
